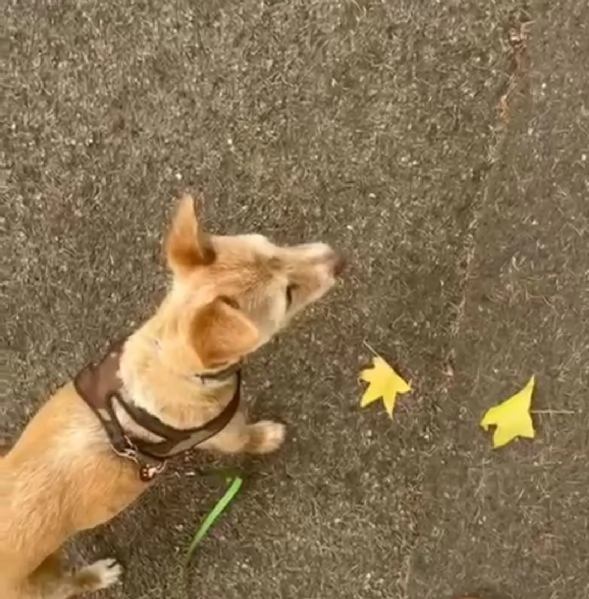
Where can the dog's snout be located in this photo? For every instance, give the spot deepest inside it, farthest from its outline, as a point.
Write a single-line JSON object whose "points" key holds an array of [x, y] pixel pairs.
{"points": [[337, 263], [321, 254]]}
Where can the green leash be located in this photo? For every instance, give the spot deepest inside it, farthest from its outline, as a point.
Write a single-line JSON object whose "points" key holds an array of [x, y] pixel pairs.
{"points": [[217, 511]]}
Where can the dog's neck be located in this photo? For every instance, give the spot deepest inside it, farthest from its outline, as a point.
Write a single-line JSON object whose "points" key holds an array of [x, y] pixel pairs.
{"points": [[176, 396]]}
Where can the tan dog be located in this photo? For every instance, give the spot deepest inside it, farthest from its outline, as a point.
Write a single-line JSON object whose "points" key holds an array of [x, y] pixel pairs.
{"points": [[229, 296]]}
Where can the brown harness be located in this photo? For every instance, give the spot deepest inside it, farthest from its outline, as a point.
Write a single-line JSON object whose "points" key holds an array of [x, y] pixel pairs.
{"points": [[99, 386]]}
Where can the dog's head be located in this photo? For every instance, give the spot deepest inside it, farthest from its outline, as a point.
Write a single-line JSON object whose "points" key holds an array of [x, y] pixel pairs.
{"points": [[231, 294]]}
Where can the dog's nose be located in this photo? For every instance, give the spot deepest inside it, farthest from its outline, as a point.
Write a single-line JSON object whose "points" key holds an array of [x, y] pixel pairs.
{"points": [[338, 263]]}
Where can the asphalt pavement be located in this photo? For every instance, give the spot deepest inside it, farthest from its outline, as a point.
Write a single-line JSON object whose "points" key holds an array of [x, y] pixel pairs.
{"points": [[443, 146]]}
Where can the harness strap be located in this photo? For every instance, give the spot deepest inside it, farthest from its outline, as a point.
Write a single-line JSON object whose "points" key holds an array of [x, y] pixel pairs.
{"points": [[176, 441], [100, 386]]}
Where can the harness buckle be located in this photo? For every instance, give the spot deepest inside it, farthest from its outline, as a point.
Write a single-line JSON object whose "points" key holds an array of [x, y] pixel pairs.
{"points": [[148, 472], [148, 469], [126, 449]]}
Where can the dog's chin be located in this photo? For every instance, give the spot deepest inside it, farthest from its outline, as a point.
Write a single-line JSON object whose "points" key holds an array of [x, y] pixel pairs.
{"points": [[299, 311], [322, 292]]}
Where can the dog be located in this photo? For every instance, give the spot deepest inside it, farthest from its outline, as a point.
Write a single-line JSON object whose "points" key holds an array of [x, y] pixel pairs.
{"points": [[173, 384]]}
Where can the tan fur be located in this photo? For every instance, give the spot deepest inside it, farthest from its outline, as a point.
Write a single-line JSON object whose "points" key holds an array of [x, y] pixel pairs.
{"points": [[227, 298]]}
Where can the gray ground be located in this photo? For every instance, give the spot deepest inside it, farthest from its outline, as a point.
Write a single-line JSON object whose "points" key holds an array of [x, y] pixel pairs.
{"points": [[443, 146]]}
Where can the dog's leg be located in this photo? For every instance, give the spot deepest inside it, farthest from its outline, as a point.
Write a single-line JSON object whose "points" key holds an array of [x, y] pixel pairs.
{"points": [[265, 436], [261, 437], [99, 575], [51, 581]]}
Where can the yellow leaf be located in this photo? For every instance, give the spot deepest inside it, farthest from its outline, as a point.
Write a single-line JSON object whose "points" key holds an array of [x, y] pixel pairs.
{"points": [[512, 417], [383, 382]]}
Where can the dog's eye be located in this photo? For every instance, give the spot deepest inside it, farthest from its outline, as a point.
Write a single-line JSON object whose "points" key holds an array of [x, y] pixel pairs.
{"points": [[290, 289], [230, 301]]}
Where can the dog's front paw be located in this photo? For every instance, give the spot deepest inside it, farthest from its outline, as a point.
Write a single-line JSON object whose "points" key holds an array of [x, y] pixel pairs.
{"points": [[101, 574], [265, 436]]}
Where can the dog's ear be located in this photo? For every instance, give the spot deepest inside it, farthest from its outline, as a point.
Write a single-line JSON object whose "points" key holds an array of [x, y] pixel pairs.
{"points": [[186, 245], [221, 334]]}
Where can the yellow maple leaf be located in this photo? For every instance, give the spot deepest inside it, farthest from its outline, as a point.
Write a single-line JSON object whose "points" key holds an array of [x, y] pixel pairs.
{"points": [[383, 382], [512, 417]]}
